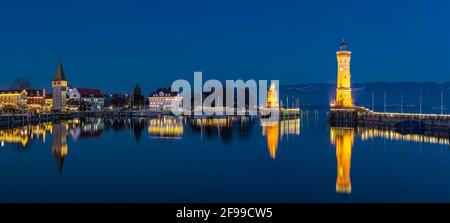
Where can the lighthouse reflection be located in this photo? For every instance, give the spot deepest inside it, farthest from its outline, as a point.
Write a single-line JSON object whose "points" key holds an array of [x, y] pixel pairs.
{"points": [[343, 138]]}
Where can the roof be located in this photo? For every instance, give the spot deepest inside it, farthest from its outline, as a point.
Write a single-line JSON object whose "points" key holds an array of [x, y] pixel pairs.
{"points": [[164, 92], [10, 91], [30, 92], [35, 92], [343, 46], [85, 92], [59, 73]]}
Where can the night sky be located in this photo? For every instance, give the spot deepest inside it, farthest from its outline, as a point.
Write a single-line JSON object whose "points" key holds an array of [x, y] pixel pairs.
{"points": [[114, 44]]}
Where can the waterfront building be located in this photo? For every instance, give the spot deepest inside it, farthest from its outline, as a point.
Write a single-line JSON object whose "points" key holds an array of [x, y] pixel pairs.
{"points": [[14, 98], [48, 102], [163, 100], [343, 88], [36, 99], [59, 86], [91, 98], [31, 99]]}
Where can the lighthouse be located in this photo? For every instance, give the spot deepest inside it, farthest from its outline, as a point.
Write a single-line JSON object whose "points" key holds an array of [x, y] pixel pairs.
{"points": [[343, 88]]}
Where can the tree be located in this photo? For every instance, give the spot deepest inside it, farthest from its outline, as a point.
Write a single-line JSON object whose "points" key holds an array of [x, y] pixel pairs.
{"points": [[118, 100], [20, 84], [138, 98], [84, 106]]}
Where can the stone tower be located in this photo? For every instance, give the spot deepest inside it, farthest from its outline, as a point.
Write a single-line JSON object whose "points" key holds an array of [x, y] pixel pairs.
{"points": [[343, 88], [59, 86], [272, 97]]}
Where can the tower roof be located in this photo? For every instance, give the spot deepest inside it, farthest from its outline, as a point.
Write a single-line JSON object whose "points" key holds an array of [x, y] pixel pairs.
{"points": [[59, 73], [343, 46]]}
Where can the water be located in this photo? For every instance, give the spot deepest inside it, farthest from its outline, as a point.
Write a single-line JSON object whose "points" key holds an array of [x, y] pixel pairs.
{"points": [[222, 160]]}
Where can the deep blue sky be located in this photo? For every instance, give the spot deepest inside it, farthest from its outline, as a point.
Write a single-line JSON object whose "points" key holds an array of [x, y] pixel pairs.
{"points": [[114, 44]]}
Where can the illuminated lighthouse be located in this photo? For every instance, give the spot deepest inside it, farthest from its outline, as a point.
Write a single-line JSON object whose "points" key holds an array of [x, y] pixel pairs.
{"points": [[343, 89]]}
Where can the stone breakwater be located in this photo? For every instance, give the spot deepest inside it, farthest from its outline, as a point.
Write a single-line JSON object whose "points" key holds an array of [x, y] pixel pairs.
{"points": [[401, 121]]}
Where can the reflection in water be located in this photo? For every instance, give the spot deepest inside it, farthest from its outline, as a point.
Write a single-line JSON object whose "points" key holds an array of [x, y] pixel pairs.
{"points": [[271, 132], [212, 127], [432, 137], [23, 135], [273, 129], [226, 128], [212, 122], [78, 129], [166, 127], [138, 127], [59, 143], [290, 127], [16, 136], [86, 128], [342, 138]]}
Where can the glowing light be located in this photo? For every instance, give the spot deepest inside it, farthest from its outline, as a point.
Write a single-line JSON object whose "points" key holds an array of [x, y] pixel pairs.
{"points": [[343, 88], [166, 127], [272, 97], [272, 139]]}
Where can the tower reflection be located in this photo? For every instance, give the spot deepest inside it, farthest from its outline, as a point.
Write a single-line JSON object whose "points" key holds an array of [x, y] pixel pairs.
{"points": [[59, 143], [273, 130], [342, 138]]}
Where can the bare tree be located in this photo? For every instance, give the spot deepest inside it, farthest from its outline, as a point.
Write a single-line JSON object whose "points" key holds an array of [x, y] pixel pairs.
{"points": [[21, 83]]}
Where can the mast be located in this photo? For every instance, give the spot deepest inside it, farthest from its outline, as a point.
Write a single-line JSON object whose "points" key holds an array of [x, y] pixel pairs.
{"points": [[373, 101]]}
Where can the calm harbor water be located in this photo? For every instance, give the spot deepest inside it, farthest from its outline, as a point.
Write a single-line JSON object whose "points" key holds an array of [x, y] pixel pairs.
{"points": [[171, 159]]}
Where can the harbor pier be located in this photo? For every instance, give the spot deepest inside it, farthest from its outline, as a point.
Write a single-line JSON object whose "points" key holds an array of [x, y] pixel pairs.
{"points": [[399, 121], [10, 120]]}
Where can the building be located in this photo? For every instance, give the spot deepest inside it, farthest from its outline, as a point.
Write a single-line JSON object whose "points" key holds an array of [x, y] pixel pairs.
{"points": [[13, 98], [343, 89], [31, 99], [163, 99], [36, 99], [49, 102], [59, 86], [91, 98]]}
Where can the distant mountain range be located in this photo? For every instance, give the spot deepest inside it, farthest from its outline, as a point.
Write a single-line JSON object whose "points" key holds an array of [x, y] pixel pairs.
{"points": [[322, 94]]}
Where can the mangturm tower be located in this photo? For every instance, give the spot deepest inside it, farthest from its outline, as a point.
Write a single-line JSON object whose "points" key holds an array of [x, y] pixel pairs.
{"points": [[59, 85], [343, 89]]}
